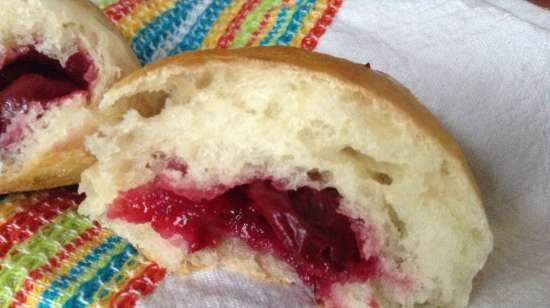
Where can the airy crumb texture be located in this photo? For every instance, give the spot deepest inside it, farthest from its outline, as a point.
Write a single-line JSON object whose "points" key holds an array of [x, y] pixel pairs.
{"points": [[59, 29], [234, 115]]}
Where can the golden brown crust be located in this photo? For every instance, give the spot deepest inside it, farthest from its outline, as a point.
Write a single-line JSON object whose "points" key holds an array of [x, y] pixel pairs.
{"points": [[374, 83], [56, 168]]}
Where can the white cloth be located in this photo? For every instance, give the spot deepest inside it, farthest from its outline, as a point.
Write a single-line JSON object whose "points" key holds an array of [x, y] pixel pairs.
{"points": [[483, 67]]}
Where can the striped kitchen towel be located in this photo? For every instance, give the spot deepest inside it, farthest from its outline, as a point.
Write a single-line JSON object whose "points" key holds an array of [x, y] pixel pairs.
{"points": [[53, 257], [160, 28]]}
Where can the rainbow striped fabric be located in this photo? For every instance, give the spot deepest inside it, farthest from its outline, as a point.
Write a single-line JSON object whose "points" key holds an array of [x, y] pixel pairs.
{"points": [[52, 257], [159, 28]]}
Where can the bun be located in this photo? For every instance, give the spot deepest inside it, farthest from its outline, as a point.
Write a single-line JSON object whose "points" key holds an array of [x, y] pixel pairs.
{"points": [[57, 58], [256, 149]]}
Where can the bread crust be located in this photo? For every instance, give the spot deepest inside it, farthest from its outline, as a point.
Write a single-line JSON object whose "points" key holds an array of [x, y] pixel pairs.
{"points": [[54, 169], [62, 165], [374, 83]]}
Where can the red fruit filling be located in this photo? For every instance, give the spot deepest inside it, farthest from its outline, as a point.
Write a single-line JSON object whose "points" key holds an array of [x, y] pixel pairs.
{"points": [[30, 79], [301, 227]]}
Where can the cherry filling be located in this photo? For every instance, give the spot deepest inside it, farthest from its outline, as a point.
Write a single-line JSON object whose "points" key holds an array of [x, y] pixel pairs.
{"points": [[301, 227], [30, 79]]}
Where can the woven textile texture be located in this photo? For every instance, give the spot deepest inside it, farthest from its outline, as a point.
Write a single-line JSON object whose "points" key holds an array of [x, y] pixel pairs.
{"points": [[52, 257], [160, 28]]}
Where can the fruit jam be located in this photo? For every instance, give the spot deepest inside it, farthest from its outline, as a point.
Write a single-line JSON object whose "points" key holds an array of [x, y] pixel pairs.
{"points": [[301, 227], [30, 79]]}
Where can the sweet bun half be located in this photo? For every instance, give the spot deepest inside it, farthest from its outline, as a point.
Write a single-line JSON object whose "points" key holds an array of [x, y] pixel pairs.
{"points": [[294, 167], [57, 58]]}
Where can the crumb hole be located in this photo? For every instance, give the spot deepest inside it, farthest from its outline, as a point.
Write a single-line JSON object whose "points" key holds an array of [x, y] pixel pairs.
{"points": [[67, 25], [204, 80], [273, 109], [322, 128], [288, 157], [242, 105], [146, 103], [369, 167], [383, 178], [315, 175], [306, 136], [445, 168], [395, 220]]}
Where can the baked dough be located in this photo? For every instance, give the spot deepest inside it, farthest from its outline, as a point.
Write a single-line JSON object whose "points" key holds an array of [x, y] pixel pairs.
{"points": [[225, 118]]}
